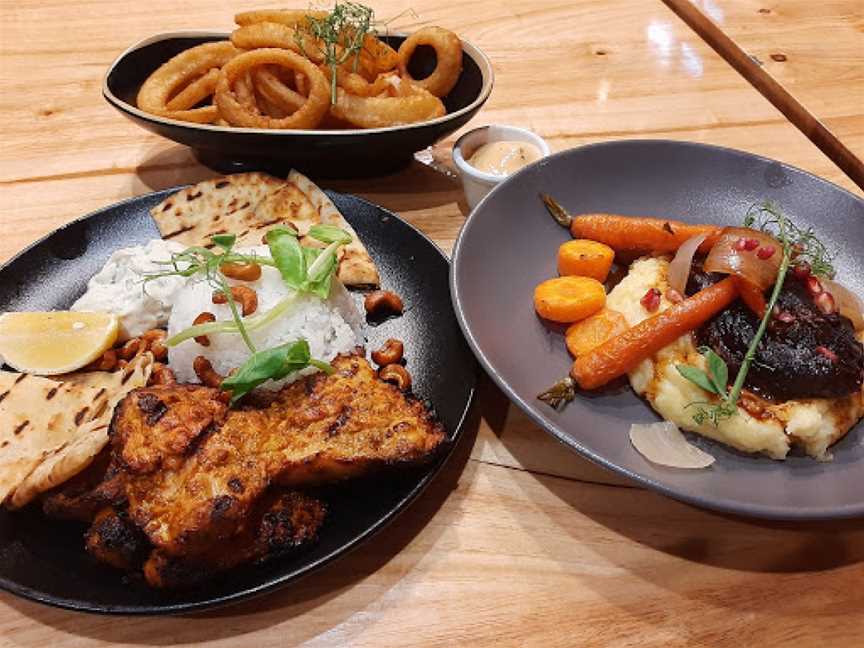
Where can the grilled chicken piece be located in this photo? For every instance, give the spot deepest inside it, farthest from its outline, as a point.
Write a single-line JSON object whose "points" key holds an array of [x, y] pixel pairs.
{"points": [[80, 498], [325, 428], [113, 539], [281, 522], [167, 421]]}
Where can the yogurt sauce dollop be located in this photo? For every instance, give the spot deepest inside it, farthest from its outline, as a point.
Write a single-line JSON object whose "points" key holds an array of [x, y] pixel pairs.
{"points": [[504, 157], [119, 288]]}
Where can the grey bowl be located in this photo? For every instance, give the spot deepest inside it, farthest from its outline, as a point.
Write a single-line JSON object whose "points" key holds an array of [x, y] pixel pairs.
{"points": [[508, 245]]}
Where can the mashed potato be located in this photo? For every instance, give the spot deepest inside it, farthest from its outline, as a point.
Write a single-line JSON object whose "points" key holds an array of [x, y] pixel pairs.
{"points": [[813, 424]]}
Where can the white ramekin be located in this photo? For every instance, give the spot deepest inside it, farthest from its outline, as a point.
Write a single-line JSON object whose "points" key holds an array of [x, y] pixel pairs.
{"points": [[476, 183]]}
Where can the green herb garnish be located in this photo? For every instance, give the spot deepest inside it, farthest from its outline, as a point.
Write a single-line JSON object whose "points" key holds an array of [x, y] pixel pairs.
{"points": [[304, 269], [713, 381], [341, 35], [806, 247], [272, 364]]}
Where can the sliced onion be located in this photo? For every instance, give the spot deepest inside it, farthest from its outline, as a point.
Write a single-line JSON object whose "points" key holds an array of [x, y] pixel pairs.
{"points": [[848, 303], [663, 444], [679, 269], [725, 258]]}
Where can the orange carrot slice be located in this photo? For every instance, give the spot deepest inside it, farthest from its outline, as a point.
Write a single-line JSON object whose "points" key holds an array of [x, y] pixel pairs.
{"points": [[593, 331], [585, 258], [569, 299]]}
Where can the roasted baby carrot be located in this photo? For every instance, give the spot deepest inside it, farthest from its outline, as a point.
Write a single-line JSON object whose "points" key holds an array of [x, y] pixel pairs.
{"points": [[622, 353], [632, 233], [751, 295]]}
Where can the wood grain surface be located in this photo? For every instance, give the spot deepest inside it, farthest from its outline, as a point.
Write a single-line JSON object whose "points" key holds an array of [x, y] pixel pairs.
{"points": [[807, 58], [520, 542]]}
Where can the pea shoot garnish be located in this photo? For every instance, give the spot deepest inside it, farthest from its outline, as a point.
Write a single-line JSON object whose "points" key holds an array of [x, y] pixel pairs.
{"points": [[340, 35], [796, 242], [304, 269]]}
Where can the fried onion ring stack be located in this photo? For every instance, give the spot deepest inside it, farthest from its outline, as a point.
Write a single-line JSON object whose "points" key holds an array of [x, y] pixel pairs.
{"points": [[274, 74]]}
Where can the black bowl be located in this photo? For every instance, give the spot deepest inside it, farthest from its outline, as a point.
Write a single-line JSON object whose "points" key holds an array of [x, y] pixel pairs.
{"points": [[331, 153]]}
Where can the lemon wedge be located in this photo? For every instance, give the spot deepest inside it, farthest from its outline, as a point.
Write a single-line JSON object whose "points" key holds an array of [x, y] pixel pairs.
{"points": [[55, 342]]}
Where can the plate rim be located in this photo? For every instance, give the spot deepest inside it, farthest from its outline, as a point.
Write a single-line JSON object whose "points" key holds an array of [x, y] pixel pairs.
{"points": [[416, 490], [761, 511], [482, 61]]}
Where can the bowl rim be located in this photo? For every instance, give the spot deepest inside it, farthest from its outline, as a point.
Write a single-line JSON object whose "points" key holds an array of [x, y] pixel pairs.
{"points": [[483, 63]]}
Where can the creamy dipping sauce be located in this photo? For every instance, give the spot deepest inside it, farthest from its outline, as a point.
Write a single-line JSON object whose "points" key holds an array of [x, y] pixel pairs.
{"points": [[505, 157], [119, 288]]}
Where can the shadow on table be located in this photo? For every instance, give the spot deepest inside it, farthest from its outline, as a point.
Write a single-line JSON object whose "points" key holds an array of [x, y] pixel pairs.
{"points": [[299, 599], [415, 187], [692, 534]]}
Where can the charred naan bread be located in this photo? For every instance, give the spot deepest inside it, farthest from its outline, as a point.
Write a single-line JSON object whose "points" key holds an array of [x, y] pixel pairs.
{"points": [[219, 206], [51, 429], [249, 204], [302, 204]]}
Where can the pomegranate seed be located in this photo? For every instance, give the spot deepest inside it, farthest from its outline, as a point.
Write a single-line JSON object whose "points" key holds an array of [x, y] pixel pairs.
{"points": [[828, 353], [825, 302], [801, 271], [765, 252], [740, 244], [814, 286], [751, 244], [651, 300], [674, 296], [785, 316]]}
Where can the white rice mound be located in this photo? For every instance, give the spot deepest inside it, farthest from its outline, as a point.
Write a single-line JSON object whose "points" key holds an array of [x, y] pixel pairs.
{"points": [[330, 326]]}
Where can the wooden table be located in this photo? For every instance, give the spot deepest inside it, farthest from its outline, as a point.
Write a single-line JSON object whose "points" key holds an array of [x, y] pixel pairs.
{"points": [[520, 542]]}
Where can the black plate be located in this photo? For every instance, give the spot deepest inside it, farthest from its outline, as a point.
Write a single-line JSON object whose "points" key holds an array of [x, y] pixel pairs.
{"points": [[693, 182], [45, 560], [331, 153]]}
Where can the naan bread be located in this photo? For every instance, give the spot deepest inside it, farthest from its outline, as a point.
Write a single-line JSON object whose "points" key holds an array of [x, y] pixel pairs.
{"points": [[356, 267], [248, 204], [50, 430], [218, 206]]}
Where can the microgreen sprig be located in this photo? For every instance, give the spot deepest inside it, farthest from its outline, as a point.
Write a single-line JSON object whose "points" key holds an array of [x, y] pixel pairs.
{"points": [[714, 381], [305, 269], [341, 35], [806, 246]]}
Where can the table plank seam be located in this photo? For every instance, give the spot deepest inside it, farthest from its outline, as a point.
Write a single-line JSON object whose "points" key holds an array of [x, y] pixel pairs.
{"points": [[589, 482], [108, 171]]}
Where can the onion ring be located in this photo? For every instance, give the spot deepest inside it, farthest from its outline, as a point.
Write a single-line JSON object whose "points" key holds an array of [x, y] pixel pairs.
{"points": [[309, 115], [301, 83], [270, 87], [195, 92], [270, 34], [380, 112], [179, 71], [245, 91], [448, 50], [378, 56], [355, 84], [284, 16]]}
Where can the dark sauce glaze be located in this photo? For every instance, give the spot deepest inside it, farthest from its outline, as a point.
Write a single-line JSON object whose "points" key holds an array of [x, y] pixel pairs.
{"points": [[813, 356]]}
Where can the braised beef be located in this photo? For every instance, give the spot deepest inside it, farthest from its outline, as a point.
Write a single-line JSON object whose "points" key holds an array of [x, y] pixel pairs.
{"points": [[791, 360]]}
